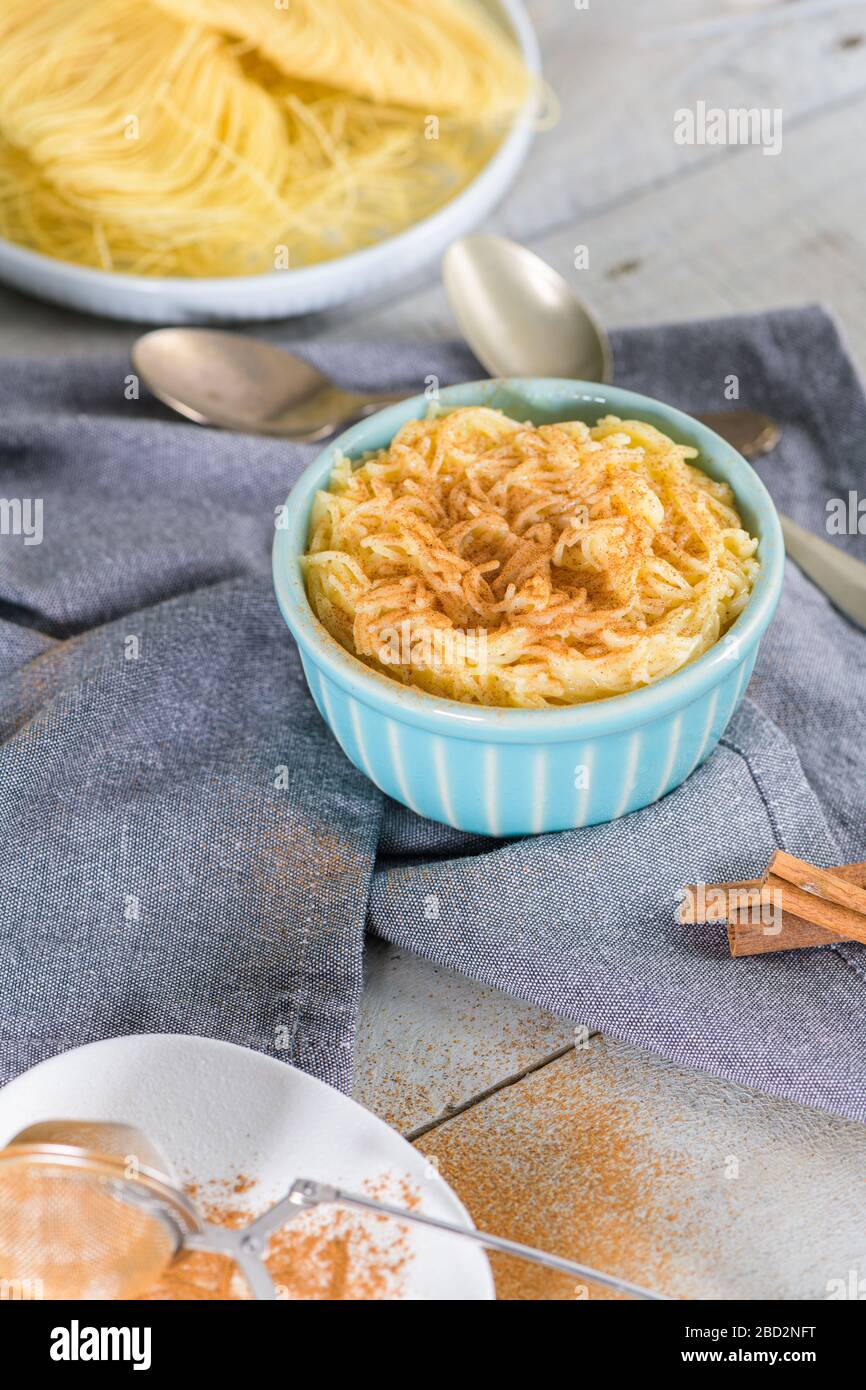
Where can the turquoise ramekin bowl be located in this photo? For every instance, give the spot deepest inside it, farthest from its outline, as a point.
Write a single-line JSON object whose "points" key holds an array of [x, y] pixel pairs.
{"points": [[508, 772]]}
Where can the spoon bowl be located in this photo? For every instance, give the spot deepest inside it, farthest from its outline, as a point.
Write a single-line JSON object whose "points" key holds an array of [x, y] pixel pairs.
{"points": [[519, 316], [240, 383]]}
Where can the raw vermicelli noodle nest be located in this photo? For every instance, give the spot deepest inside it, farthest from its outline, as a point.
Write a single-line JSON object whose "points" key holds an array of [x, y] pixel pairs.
{"points": [[497, 563], [234, 137]]}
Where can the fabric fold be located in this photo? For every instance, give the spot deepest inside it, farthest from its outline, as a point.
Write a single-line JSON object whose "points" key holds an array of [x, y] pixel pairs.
{"points": [[185, 848]]}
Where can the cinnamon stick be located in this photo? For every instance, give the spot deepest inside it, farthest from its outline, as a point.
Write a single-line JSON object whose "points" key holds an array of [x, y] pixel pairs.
{"points": [[825, 883], [714, 902], [749, 938], [817, 895], [735, 903]]}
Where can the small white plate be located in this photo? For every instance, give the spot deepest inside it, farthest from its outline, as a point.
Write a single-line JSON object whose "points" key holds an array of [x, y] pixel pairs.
{"points": [[217, 1111], [286, 293]]}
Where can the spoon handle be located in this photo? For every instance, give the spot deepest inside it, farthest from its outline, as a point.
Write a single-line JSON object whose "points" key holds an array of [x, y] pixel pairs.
{"points": [[839, 575], [751, 432], [368, 405], [842, 578]]}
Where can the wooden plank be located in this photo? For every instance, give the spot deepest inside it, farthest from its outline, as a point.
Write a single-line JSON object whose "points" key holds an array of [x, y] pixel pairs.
{"points": [[620, 80], [429, 1039], [667, 1177], [744, 235]]}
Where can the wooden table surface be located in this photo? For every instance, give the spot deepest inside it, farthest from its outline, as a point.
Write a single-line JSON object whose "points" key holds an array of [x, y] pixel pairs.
{"points": [[602, 1152]]}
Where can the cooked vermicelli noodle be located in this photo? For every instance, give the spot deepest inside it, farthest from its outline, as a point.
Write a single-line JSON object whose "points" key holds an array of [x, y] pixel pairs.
{"points": [[233, 137], [443, 56], [497, 563]]}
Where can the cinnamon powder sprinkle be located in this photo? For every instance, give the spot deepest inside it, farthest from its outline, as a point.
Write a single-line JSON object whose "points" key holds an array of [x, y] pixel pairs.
{"points": [[498, 563], [568, 1172], [331, 1254]]}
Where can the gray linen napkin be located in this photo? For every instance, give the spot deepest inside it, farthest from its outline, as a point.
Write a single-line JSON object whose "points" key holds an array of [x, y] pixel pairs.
{"points": [[185, 848]]}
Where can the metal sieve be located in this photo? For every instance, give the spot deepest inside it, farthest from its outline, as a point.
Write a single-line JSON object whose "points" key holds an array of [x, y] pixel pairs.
{"points": [[91, 1210]]}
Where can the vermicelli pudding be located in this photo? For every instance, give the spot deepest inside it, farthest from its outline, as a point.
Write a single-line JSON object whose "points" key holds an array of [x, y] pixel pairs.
{"points": [[498, 563]]}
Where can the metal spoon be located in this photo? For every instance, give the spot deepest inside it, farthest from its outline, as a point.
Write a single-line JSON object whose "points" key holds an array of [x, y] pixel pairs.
{"points": [[243, 384], [521, 318]]}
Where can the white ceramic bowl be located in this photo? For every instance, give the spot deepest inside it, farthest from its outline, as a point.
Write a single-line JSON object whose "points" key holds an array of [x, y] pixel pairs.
{"points": [[286, 293]]}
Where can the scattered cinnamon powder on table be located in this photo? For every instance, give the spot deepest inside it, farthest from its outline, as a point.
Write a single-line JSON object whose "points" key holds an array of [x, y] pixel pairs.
{"points": [[544, 1164]]}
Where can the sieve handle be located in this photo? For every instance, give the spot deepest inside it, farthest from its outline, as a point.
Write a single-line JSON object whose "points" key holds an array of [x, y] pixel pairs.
{"points": [[244, 1249], [305, 1193]]}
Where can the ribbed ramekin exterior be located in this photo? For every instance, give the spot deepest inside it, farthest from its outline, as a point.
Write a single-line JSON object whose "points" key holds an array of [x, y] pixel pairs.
{"points": [[502, 789]]}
